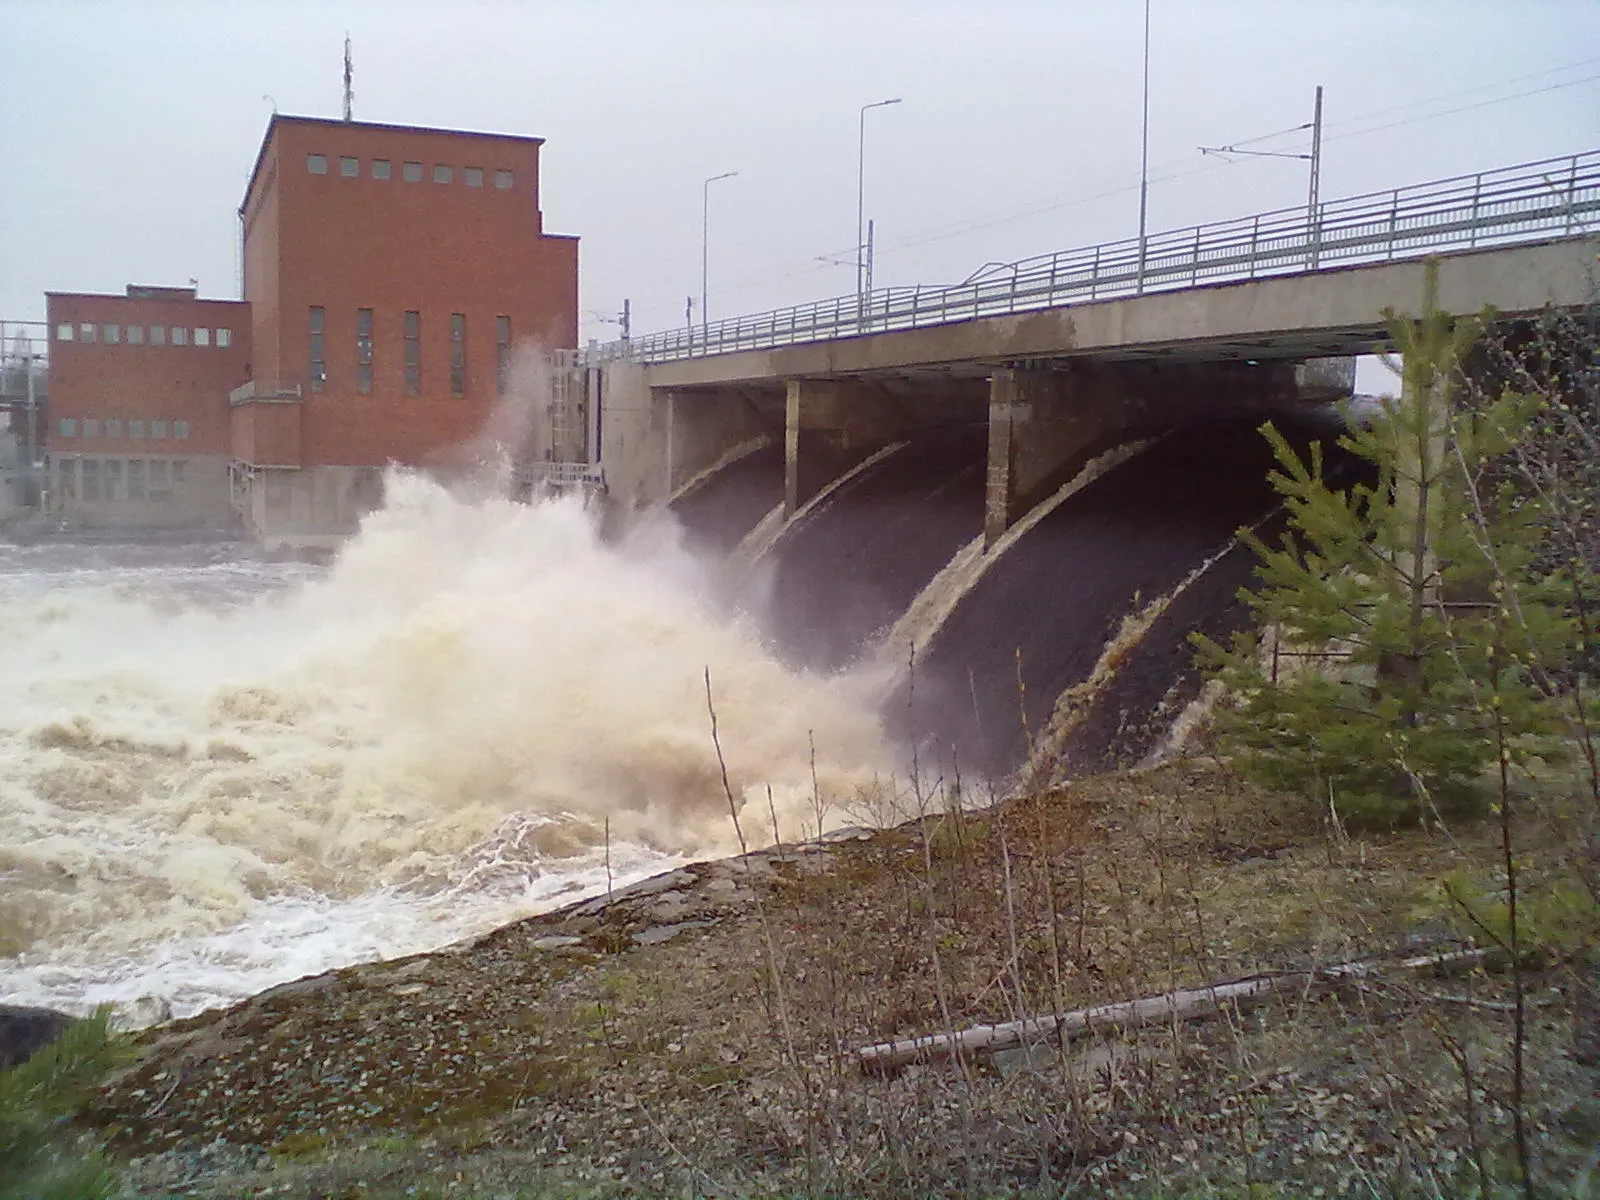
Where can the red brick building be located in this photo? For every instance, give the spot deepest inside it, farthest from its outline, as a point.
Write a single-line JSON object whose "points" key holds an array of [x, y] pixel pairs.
{"points": [[388, 272], [138, 418]]}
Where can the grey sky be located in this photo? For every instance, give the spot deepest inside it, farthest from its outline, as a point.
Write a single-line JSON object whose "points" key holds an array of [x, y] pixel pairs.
{"points": [[128, 127]]}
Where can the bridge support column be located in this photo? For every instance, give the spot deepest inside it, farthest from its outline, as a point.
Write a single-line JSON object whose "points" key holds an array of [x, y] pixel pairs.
{"points": [[1035, 430], [703, 427], [830, 425]]}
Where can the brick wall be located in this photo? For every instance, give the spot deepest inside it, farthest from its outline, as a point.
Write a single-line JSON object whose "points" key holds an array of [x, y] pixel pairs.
{"points": [[396, 245]]}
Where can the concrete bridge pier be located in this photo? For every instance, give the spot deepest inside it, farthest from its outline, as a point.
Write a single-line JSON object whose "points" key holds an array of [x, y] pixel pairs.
{"points": [[1045, 422], [830, 425]]}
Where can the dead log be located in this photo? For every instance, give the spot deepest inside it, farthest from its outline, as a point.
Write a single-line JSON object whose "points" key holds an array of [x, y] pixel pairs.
{"points": [[1130, 1014]]}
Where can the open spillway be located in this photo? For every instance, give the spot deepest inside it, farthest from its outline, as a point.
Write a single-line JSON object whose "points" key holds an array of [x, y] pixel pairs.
{"points": [[1117, 575]]}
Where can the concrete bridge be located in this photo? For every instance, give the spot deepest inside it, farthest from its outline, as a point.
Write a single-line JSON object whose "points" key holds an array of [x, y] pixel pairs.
{"points": [[1070, 351]]}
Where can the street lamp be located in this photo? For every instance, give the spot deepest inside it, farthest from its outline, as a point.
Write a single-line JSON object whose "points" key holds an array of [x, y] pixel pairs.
{"points": [[705, 239], [861, 163], [1144, 148]]}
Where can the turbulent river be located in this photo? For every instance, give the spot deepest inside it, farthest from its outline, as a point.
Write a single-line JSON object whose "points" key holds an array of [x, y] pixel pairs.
{"points": [[219, 772]]}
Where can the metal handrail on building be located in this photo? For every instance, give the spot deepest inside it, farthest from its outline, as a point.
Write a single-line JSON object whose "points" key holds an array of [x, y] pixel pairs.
{"points": [[1535, 201]]}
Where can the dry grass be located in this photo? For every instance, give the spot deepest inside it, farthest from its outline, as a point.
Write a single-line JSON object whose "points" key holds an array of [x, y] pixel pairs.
{"points": [[721, 1061]]}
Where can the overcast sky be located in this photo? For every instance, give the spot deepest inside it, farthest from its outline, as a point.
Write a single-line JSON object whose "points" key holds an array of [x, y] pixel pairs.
{"points": [[128, 127]]}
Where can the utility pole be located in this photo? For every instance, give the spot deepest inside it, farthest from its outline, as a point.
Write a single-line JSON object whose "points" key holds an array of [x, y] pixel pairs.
{"points": [[349, 78], [1144, 150], [30, 485], [626, 319], [1313, 217]]}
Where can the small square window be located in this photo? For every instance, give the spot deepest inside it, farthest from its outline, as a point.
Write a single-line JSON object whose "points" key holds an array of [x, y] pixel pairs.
{"points": [[68, 427], [180, 430], [502, 180], [202, 336], [108, 335], [135, 335], [443, 174], [158, 335], [180, 336], [158, 429], [224, 337], [472, 176], [136, 429], [350, 168], [91, 427], [411, 172], [316, 164], [380, 168], [86, 332], [113, 427], [64, 331]]}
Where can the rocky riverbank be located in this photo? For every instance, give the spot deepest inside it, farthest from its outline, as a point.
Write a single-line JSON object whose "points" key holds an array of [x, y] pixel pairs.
{"points": [[697, 1033]]}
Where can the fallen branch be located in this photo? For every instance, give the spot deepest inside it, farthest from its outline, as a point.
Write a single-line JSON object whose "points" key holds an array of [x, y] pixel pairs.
{"points": [[1130, 1014]]}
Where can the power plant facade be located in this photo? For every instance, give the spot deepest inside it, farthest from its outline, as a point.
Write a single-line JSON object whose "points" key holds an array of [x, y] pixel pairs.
{"points": [[388, 273]]}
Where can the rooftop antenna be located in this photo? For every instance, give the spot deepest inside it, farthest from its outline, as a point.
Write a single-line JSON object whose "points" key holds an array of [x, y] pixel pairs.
{"points": [[349, 73]]}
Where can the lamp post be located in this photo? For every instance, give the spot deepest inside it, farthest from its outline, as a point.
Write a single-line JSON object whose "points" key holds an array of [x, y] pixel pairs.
{"points": [[705, 241], [861, 195], [1144, 148]]}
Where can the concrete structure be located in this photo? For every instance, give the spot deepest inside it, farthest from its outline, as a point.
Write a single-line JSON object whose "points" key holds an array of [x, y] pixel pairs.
{"points": [[137, 426], [390, 270], [1056, 384]]}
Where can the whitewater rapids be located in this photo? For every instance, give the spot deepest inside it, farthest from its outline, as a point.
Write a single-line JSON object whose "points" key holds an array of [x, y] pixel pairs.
{"points": [[218, 773]]}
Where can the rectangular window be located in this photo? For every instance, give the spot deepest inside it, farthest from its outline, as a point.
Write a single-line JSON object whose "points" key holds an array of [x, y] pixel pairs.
{"points": [[91, 481], [109, 335], [413, 339], [350, 168], [316, 164], [91, 427], [114, 427], [224, 337], [135, 335], [86, 332], [136, 429], [180, 477], [158, 429], [318, 368], [502, 180], [443, 174], [67, 427], [64, 331], [158, 335], [502, 354], [180, 430], [458, 354], [202, 336], [380, 168], [411, 172], [67, 478], [180, 336], [113, 480], [136, 479], [159, 485], [472, 176], [363, 350]]}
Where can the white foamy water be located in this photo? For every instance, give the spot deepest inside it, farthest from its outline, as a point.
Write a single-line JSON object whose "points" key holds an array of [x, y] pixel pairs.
{"points": [[218, 773]]}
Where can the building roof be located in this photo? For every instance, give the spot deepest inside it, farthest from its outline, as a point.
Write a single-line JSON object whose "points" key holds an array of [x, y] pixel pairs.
{"points": [[278, 118]]}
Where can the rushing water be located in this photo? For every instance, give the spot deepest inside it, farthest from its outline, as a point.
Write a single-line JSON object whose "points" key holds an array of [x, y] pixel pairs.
{"points": [[218, 772]]}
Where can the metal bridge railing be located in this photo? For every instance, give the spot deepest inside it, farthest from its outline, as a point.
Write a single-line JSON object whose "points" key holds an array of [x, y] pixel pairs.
{"points": [[1536, 201]]}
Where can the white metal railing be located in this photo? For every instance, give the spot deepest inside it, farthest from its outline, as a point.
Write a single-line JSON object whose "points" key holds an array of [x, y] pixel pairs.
{"points": [[560, 475], [1536, 201]]}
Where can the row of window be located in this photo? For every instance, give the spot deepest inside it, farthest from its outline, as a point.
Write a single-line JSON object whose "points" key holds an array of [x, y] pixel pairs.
{"points": [[111, 427], [107, 480], [410, 172], [144, 335], [411, 351]]}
